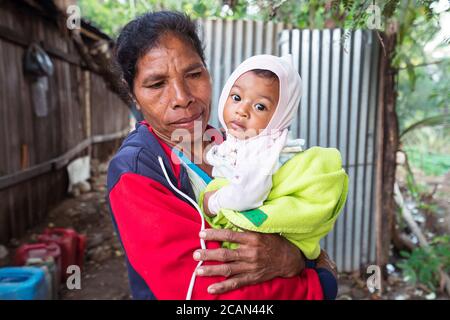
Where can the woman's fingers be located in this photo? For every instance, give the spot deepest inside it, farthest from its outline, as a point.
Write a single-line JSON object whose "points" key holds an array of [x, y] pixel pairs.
{"points": [[225, 269], [221, 254], [229, 236], [230, 284], [258, 258]]}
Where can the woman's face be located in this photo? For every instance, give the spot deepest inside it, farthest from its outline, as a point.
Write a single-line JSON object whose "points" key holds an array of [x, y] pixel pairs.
{"points": [[173, 89]]}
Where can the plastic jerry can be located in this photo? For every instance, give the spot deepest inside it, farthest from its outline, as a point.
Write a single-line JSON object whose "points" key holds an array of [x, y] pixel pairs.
{"points": [[44, 251], [22, 283], [52, 277], [81, 248], [68, 241]]}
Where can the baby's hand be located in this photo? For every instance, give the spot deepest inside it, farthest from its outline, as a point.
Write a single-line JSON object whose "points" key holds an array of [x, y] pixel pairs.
{"points": [[205, 203]]}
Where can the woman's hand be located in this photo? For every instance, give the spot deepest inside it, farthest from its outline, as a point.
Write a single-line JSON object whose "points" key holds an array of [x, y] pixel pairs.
{"points": [[259, 257]]}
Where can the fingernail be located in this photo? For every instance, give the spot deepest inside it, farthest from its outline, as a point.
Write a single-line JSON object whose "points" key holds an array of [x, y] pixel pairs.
{"points": [[200, 271], [211, 290], [202, 234], [197, 255]]}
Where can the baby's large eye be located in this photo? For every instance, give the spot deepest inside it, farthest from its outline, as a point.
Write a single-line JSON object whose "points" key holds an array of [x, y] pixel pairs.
{"points": [[260, 107], [235, 97]]}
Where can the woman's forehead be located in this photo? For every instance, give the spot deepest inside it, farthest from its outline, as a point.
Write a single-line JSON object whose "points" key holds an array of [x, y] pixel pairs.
{"points": [[172, 54]]}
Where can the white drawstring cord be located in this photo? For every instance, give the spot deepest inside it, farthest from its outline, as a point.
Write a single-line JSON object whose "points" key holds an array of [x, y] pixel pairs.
{"points": [[202, 242]]}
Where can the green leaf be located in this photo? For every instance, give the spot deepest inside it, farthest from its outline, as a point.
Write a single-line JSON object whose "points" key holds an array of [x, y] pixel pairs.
{"points": [[412, 77], [405, 254], [200, 8], [439, 120]]}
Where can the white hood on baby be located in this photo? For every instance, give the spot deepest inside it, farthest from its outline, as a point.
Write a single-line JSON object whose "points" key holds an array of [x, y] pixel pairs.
{"points": [[290, 89]]}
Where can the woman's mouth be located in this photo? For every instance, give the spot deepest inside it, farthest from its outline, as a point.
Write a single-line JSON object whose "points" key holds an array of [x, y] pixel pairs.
{"points": [[188, 122]]}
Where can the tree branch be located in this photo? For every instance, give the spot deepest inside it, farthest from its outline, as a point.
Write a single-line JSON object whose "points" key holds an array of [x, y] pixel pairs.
{"points": [[422, 64]]}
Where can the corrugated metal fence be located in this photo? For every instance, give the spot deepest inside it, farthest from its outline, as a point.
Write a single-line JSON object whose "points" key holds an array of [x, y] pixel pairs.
{"points": [[338, 109]]}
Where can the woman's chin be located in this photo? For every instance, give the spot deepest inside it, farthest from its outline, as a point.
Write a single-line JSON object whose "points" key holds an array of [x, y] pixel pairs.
{"points": [[188, 133]]}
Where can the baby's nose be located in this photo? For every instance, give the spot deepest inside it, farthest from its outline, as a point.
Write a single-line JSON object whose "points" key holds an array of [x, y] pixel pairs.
{"points": [[242, 111]]}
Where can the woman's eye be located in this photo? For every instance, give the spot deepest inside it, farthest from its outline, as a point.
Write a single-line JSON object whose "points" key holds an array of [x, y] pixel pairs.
{"points": [[156, 85], [195, 74], [260, 107], [235, 97]]}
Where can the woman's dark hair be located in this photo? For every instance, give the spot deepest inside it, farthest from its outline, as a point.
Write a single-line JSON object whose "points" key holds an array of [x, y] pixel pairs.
{"points": [[143, 34]]}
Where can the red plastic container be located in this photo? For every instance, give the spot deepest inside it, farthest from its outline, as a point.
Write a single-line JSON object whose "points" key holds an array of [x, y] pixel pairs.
{"points": [[43, 251], [81, 249], [38, 250], [71, 243]]}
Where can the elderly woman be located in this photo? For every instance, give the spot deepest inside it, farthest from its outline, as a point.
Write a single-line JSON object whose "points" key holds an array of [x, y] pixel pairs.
{"points": [[156, 176]]}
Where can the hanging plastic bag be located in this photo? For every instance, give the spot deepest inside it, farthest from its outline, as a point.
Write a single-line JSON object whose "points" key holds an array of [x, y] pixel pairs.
{"points": [[36, 62], [39, 90]]}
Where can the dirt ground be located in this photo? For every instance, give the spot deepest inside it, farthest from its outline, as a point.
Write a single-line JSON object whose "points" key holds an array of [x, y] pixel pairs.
{"points": [[105, 277]]}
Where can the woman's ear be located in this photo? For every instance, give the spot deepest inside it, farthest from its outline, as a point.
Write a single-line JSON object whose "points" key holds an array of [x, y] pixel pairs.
{"points": [[136, 104], [130, 93]]}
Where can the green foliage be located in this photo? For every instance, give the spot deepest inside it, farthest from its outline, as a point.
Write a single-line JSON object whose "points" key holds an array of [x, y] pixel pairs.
{"points": [[428, 95], [415, 189], [429, 162], [428, 207], [423, 90], [422, 264], [112, 15]]}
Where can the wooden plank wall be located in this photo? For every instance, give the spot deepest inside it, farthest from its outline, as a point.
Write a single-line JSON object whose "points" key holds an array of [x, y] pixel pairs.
{"points": [[27, 140], [107, 116]]}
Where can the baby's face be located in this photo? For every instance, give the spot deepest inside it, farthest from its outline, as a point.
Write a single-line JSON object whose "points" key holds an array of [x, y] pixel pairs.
{"points": [[250, 105]]}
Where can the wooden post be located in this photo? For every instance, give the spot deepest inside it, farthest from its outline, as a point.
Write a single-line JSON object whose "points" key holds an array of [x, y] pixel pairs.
{"points": [[87, 107], [387, 149]]}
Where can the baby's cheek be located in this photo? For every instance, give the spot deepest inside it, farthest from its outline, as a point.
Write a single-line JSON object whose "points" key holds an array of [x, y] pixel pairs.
{"points": [[227, 112]]}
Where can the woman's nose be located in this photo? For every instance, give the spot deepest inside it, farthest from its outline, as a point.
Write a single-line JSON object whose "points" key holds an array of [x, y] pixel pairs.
{"points": [[181, 96]]}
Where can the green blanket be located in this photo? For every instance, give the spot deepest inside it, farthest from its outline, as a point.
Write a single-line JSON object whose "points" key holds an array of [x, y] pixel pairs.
{"points": [[308, 193]]}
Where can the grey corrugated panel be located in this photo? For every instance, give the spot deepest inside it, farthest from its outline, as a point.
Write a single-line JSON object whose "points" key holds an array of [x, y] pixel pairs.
{"points": [[259, 37], [277, 37], [325, 81], [249, 39], [325, 85], [375, 107], [239, 40], [334, 114], [228, 50], [304, 73], [314, 93], [345, 64], [218, 68], [353, 134], [346, 140], [362, 207], [269, 43], [206, 36], [290, 44]]}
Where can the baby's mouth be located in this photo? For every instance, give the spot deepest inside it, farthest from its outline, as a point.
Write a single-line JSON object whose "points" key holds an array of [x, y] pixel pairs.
{"points": [[236, 125]]}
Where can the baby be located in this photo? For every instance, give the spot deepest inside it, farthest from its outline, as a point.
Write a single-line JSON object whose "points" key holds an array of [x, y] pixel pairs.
{"points": [[263, 181]]}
